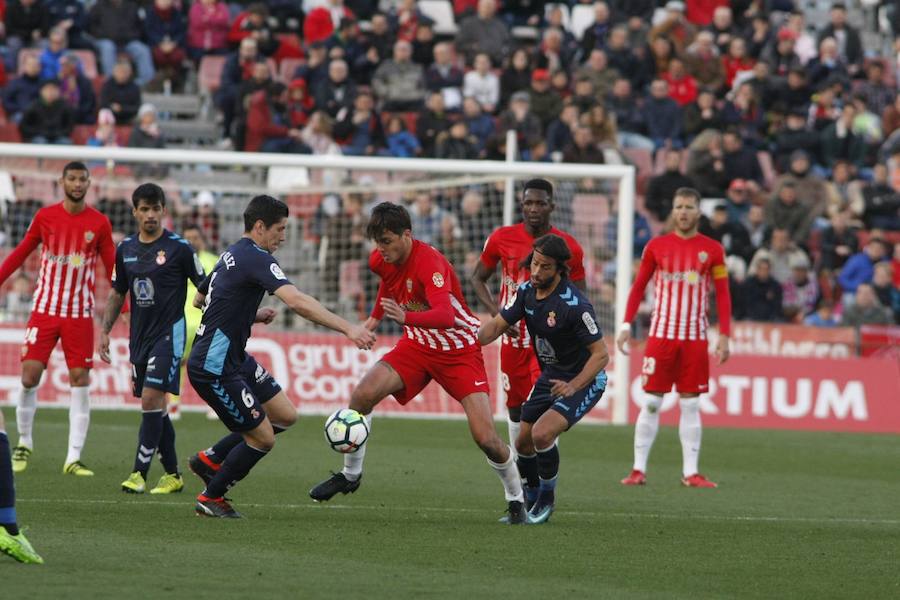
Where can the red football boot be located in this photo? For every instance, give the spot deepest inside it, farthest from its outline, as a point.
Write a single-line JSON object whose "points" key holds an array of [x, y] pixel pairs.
{"points": [[698, 481], [635, 478]]}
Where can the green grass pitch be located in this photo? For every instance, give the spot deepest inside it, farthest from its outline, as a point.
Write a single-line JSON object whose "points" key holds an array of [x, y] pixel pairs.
{"points": [[797, 515]]}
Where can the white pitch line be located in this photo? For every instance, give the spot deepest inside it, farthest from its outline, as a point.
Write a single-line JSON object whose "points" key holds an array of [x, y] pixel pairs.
{"points": [[443, 509]]}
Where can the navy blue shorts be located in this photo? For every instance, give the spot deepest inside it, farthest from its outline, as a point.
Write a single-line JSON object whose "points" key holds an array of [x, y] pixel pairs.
{"points": [[160, 372], [237, 397], [572, 408]]}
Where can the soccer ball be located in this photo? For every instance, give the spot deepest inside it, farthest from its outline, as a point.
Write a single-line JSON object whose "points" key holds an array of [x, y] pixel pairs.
{"points": [[346, 431]]}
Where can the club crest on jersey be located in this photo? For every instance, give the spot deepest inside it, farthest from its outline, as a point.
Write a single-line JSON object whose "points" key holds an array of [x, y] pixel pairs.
{"points": [[161, 257], [409, 285], [88, 236], [438, 280], [702, 256], [551, 319]]}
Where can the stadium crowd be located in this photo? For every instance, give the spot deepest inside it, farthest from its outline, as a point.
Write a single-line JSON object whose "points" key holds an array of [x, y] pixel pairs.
{"points": [[790, 129]]}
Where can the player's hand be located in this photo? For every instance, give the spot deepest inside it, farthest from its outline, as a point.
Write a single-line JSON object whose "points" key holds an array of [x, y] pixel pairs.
{"points": [[104, 348], [622, 341], [561, 388], [393, 311], [723, 350], [512, 331], [266, 315], [362, 337]]}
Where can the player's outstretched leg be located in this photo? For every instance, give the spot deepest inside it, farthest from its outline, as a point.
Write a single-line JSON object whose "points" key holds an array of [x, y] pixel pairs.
{"points": [[12, 541], [79, 421], [205, 463], [25, 409], [690, 432], [645, 430]]}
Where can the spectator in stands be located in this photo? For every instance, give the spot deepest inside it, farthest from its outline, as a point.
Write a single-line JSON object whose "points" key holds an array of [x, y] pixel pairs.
{"points": [[482, 84], [583, 97], [761, 37], [456, 143], [825, 107], [444, 76], [881, 202], [780, 55], [483, 32], [597, 69], [795, 136], [794, 92], [426, 217], [866, 309], [400, 142], [104, 135], [517, 76], [545, 103], [400, 83], [722, 27], [49, 120], [661, 188], [701, 115], [165, 31], [343, 240], [706, 165], [732, 235], [346, 36], [682, 87], [839, 242], [603, 127], [745, 114], [207, 31], [839, 142], [663, 117], [622, 59], [811, 189], [380, 38], [675, 27], [800, 292], [300, 104], [736, 61], [640, 236], [519, 118], [761, 294], [596, 34], [551, 53], [71, 18], [238, 68], [77, 90], [57, 45], [847, 39], [116, 27], [828, 65], [878, 95], [583, 148], [740, 161], [338, 91], [823, 316], [480, 125], [147, 134], [25, 23], [885, 290], [780, 253], [423, 45], [268, 126], [318, 134], [315, 70], [559, 132], [254, 22], [784, 210], [860, 268], [756, 226], [121, 93], [260, 79], [474, 224], [629, 116], [737, 201], [22, 91], [359, 128], [432, 122]]}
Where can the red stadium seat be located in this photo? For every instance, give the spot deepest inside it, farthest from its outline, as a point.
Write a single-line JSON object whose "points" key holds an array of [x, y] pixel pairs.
{"points": [[9, 132], [211, 73]]}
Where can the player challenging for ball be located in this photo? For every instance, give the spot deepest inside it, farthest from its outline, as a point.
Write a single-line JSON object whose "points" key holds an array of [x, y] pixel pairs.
{"points": [[73, 236], [509, 247], [154, 266], [681, 263], [420, 290], [247, 399], [572, 355]]}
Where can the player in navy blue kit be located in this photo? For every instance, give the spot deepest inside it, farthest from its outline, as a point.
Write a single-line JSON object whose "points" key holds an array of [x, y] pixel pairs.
{"points": [[572, 354], [246, 398], [153, 266]]}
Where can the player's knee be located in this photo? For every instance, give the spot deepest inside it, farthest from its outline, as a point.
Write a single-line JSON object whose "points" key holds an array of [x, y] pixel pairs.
{"points": [[30, 380], [79, 378], [690, 403], [362, 401], [542, 438], [525, 445], [652, 402], [488, 441]]}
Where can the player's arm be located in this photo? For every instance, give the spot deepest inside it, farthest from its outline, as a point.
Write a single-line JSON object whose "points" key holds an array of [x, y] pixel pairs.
{"points": [[723, 304], [20, 253], [597, 361], [576, 266], [312, 310], [107, 248], [479, 279], [645, 272], [114, 303], [493, 329]]}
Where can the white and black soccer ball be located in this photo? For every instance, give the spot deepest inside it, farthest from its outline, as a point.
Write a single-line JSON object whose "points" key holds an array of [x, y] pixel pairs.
{"points": [[346, 431]]}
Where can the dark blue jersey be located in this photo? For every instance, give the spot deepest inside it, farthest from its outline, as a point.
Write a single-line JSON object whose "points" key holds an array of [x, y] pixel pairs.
{"points": [[156, 276], [234, 289], [562, 326]]}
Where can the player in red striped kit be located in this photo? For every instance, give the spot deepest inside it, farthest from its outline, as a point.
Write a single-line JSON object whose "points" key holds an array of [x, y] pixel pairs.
{"points": [[682, 264], [420, 291], [508, 247], [73, 237]]}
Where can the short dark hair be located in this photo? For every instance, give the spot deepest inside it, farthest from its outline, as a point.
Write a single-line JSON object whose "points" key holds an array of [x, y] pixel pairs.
{"points": [[75, 165], [388, 216], [149, 193], [688, 192], [556, 248], [264, 208], [539, 184]]}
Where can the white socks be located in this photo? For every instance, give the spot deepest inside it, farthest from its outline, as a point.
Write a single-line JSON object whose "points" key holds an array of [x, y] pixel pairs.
{"points": [[645, 430], [79, 420], [690, 431], [509, 476], [514, 427], [353, 463], [25, 410]]}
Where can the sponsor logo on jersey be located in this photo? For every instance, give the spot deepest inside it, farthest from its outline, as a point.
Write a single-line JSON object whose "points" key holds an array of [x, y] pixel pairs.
{"points": [[702, 256], [438, 280], [130, 259], [687, 276], [161, 257], [76, 260], [551, 319], [589, 323], [143, 292], [276, 271]]}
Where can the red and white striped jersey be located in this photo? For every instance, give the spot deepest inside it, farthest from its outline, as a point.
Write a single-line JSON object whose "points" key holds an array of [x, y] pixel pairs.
{"points": [[682, 269], [70, 247], [509, 246], [423, 281]]}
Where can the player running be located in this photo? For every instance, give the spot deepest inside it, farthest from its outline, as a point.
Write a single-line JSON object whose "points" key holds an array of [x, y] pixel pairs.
{"points": [[153, 266], [509, 246], [572, 354], [12, 541], [72, 237], [683, 263], [420, 291], [247, 399]]}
